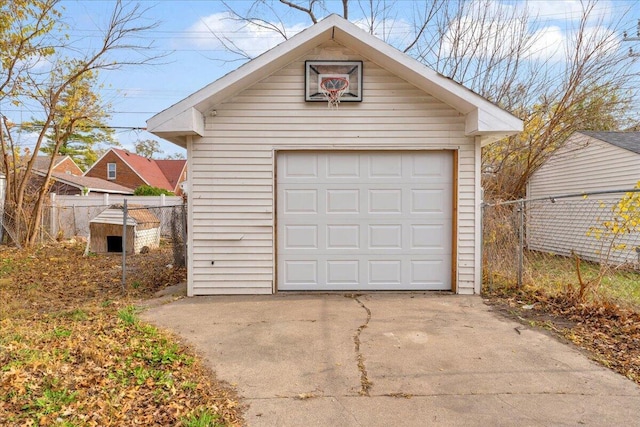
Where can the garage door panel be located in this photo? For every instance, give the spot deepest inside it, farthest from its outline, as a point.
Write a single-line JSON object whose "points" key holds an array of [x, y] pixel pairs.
{"points": [[428, 273], [302, 201], [343, 166], [389, 166], [343, 273], [429, 201], [385, 272], [436, 167], [343, 200], [428, 236], [385, 236], [384, 201], [368, 221], [343, 236], [301, 272], [301, 237], [299, 166]]}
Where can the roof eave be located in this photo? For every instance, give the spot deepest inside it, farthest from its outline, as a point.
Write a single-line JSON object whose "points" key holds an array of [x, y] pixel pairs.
{"points": [[200, 103], [187, 116], [188, 122], [490, 127]]}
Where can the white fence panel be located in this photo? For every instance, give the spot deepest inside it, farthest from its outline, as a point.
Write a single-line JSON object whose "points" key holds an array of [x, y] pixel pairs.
{"points": [[69, 216]]}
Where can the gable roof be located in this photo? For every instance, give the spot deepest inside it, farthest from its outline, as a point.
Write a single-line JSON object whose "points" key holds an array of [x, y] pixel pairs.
{"points": [[147, 169], [164, 174], [186, 118], [627, 140], [96, 185], [172, 169], [42, 163]]}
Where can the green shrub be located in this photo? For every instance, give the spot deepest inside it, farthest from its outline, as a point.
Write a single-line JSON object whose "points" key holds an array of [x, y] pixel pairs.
{"points": [[147, 190]]}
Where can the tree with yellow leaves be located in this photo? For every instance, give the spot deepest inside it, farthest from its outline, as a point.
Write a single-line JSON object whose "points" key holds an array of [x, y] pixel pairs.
{"points": [[65, 93], [623, 221]]}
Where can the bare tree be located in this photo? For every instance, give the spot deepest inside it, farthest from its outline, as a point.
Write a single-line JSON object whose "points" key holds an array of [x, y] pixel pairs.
{"points": [[592, 89], [64, 92], [498, 50]]}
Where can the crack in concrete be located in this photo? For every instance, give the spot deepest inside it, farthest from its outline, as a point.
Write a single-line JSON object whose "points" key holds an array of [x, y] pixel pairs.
{"points": [[365, 383]]}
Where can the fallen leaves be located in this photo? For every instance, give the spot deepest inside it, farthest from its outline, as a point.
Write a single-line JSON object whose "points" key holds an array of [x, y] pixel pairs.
{"points": [[72, 351], [611, 333]]}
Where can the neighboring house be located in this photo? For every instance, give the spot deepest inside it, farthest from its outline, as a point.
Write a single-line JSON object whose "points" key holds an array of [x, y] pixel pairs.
{"points": [[61, 164], [67, 184], [587, 162], [67, 179], [286, 194], [131, 170]]}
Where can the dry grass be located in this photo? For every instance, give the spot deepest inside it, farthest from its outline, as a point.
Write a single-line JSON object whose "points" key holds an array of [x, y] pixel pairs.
{"points": [[74, 353], [555, 274], [597, 309]]}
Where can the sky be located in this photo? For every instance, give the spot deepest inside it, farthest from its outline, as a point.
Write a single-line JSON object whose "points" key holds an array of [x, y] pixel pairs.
{"points": [[191, 57]]}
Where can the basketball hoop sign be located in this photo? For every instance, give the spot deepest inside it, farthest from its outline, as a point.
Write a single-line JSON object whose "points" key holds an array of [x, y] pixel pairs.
{"points": [[333, 82]]}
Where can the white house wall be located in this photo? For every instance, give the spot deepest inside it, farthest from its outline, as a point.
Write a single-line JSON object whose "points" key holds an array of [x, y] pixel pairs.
{"points": [[233, 174], [585, 164]]}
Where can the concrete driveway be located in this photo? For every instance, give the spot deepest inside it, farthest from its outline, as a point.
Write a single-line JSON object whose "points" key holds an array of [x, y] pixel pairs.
{"points": [[395, 360]]}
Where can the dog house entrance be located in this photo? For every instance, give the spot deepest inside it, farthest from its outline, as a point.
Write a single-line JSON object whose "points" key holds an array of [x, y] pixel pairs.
{"points": [[114, 243]]}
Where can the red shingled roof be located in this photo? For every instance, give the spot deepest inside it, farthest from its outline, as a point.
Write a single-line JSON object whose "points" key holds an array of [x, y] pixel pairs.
{"points": [[148, 169], [172, 170]]}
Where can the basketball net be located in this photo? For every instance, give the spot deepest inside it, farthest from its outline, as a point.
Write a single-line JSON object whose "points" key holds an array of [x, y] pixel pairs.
{"points": [[333, 88]]}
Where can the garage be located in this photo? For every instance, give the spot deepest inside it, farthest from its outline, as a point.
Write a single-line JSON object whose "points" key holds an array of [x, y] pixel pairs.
{"points": [[334, 162], [364, 220]]}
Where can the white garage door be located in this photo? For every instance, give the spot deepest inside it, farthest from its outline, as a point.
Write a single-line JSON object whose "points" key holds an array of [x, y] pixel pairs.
{"points": [[364, 220]]}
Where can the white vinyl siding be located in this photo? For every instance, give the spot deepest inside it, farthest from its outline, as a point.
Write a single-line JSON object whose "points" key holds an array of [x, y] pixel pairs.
{"points": [[233, 166], [584, 164]]}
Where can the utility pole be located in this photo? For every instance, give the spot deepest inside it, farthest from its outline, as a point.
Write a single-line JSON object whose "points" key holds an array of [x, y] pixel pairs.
{"points": [[626, 38]]}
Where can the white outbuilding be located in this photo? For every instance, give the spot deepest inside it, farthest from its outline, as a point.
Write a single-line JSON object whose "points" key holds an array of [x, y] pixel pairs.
{"points": [[379, 192]]}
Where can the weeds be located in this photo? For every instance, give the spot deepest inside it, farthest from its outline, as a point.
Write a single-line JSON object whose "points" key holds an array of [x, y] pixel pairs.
{"points": [[60, 332], [128, 315], [80, 355], [202, 418]]}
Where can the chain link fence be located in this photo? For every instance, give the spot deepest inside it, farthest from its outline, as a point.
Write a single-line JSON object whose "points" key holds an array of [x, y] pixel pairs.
{"points": [[143, 236], [151, 234], [524, 240]]}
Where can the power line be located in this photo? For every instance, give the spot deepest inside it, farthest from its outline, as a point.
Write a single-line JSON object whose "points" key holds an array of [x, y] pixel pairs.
{"points": [[135, 128]]}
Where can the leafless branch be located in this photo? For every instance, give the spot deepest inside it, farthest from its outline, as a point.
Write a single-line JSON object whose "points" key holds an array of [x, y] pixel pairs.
{"points": [[307, 10]]}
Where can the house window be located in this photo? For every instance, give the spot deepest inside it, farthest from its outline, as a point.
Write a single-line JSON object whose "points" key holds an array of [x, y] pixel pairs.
{"points": [[111, 171]]}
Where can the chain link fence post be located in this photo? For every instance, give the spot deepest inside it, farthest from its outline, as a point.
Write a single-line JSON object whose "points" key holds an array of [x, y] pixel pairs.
{"points": [[520, 210], [124, 245]]}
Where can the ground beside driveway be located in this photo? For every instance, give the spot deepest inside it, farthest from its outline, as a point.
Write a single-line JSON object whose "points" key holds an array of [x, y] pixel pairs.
{"points": [[395, 359]]}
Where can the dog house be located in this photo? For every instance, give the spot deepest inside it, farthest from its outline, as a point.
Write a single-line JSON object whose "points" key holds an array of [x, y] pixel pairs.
{"points": [[143, 230]]}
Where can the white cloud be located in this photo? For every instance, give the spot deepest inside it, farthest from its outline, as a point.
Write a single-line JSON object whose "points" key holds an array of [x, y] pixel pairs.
{"points": [[548, 44], [547, 41], [213, 31]]}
